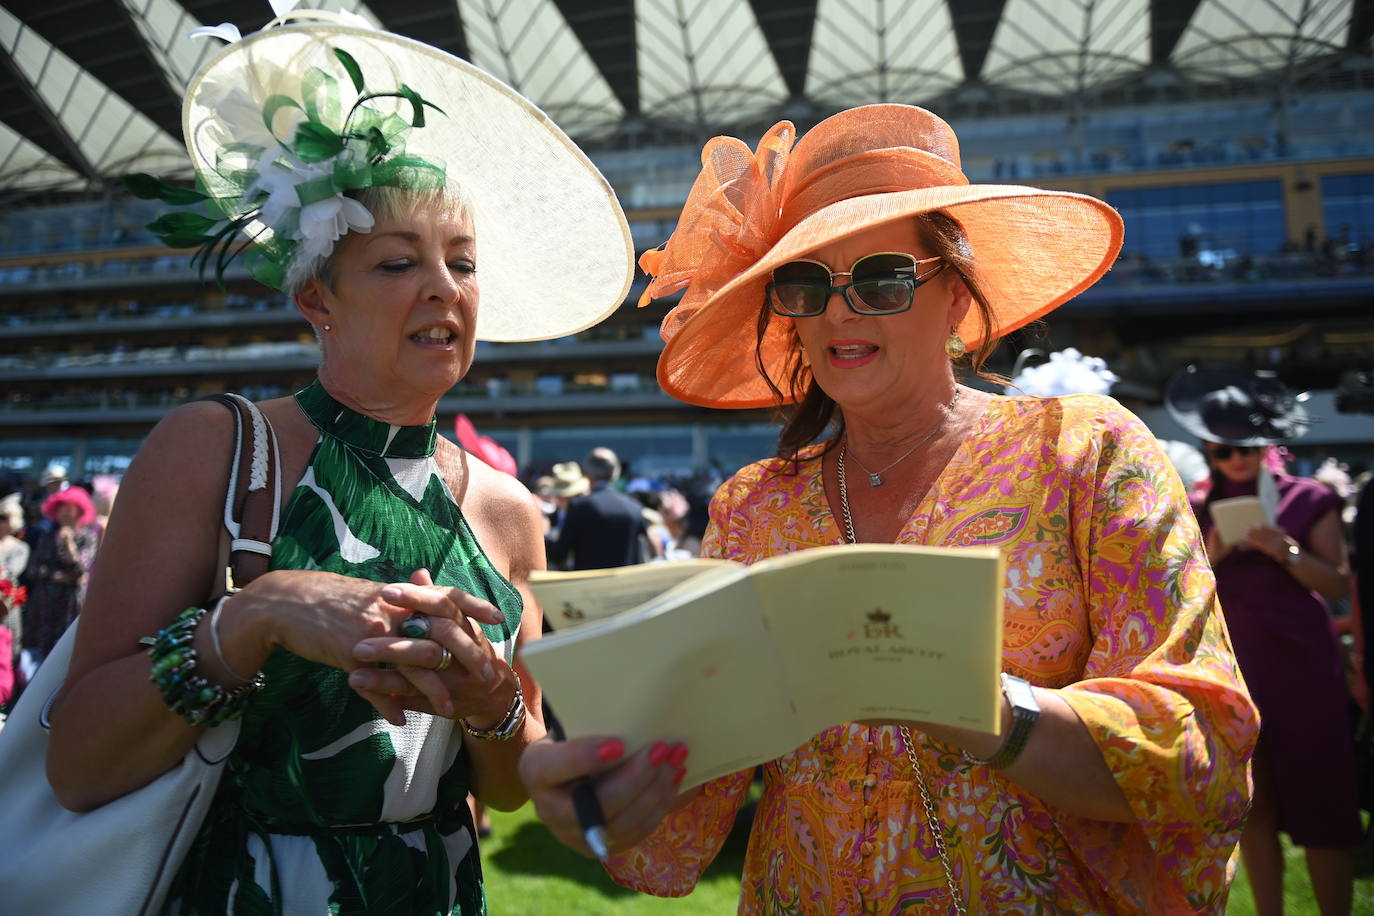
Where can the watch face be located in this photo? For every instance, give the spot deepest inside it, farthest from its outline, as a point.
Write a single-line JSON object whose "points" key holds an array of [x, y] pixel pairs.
{"points": [[1020, 694]]}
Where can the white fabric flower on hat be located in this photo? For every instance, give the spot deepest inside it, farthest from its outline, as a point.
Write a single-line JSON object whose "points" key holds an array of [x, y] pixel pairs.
{"points": [[238, 107], [324, 222], [320, 223], [1067, 372], [278, 174]]}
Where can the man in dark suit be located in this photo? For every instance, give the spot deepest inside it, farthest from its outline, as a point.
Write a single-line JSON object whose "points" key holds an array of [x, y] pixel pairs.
{"points": [[604, 528]]}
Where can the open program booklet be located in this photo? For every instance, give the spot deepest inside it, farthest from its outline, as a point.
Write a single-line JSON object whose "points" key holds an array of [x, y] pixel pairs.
{"points": [[745, 664]]}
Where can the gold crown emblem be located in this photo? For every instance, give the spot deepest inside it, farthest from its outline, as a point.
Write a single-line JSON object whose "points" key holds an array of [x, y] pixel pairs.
{"points": [[878, 615]]}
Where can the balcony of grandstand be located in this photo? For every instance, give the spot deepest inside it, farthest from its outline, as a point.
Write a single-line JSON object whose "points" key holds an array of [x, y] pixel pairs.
{"points": [[1236, 139]]}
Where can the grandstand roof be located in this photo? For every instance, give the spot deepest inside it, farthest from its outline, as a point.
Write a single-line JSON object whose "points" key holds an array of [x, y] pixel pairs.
{"points": [[91, 89]]}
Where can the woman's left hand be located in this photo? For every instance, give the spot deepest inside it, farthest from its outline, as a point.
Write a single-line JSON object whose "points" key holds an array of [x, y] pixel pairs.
{"points": [[1268, 540], [476, 685]]}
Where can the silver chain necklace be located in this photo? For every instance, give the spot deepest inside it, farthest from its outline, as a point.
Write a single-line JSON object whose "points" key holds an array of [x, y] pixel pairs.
{"points": [[932, 817], [875, 478]]}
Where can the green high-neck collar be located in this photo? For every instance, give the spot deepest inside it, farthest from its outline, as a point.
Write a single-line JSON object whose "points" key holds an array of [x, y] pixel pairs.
{"points": [[360, 431]]}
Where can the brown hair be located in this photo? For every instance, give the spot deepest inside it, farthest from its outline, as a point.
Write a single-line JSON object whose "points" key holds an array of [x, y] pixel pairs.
{"points": [[809, 411]]}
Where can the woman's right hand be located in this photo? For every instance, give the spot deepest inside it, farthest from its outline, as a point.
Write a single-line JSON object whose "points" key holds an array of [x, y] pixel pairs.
{"points": [[321, 617], [635, 793]]}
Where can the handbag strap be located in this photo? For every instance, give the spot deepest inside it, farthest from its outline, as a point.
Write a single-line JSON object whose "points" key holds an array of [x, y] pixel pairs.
{"points": [[249, 517]]}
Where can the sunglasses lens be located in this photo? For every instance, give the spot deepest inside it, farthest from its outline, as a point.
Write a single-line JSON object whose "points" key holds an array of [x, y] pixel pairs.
{"points": [[1223, 452], [799, 288], [885, 282]]}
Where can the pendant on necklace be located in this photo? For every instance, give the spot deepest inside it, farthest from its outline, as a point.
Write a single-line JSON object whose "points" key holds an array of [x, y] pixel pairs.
{"points": [[874, 480]]}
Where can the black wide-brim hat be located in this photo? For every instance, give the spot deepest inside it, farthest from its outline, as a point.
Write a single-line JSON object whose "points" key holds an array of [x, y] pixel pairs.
{"points": [[1237, 408]]}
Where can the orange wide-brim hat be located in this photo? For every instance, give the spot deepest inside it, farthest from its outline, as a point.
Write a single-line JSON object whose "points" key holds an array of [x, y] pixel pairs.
{"points": [[751, 211]]}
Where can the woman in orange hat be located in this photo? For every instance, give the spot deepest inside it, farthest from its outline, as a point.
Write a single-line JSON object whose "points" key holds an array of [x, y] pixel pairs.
{"points": [[863, 268]]}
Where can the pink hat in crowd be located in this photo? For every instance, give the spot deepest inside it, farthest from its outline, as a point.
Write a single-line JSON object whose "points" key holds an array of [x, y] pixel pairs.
{"points": [[77, 496]]}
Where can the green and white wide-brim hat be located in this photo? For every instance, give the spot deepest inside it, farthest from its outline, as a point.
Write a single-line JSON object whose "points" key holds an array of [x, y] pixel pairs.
{"points": [[554, 251]]}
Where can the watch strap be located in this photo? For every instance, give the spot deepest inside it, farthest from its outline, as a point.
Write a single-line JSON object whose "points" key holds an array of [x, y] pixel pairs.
{"points": [[1024, 712]]}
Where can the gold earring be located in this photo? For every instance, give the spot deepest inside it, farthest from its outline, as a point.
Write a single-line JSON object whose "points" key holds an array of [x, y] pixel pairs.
{"points": [[954, 346]]}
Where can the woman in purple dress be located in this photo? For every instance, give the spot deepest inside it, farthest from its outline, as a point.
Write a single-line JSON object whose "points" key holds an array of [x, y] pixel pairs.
{"points": [[1273, 583]]}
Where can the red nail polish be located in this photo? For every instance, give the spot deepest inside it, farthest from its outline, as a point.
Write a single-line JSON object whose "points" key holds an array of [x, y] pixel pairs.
{"points": [[658, 753], [610, 750], [678, 756], [677, 777]]}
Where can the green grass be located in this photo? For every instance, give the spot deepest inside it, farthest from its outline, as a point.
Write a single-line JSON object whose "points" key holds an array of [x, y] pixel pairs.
{"points": [[1297, 890], [529, 873]]}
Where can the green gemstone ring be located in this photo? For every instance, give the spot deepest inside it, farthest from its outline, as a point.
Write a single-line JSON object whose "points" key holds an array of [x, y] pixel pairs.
{"points": [[416, 626]]}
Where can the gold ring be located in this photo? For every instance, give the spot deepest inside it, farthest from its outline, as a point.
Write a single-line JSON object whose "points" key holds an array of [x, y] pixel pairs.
{"points": [[445, 659]]}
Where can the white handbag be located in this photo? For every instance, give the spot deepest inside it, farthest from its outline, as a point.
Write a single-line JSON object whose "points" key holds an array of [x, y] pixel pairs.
{"points": [[119, 858]]}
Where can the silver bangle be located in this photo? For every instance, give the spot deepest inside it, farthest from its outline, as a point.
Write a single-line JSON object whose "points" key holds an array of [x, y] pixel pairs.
{"points": [[514, 718], [214, 636]]}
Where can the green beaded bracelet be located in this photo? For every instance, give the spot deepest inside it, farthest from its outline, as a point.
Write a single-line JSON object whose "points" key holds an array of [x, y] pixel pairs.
{"points": [[190, 695]]}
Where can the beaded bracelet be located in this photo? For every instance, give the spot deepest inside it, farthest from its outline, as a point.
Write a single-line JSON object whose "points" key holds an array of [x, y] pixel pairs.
{"points": [[191, 696], [507, 726]]}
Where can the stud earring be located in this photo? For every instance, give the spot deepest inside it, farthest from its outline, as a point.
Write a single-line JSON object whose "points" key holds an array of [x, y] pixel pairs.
{"points": [[329, 327], [954, 346]]}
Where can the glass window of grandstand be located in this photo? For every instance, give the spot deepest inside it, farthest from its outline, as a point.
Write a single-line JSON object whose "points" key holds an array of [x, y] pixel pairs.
{"points": [[729, 448], [1208, 225], [1348, 211], [22, 460], [655, 452], [658, 452]]}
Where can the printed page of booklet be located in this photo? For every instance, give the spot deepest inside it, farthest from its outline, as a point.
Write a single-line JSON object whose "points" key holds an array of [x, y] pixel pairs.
{"points": [[744, 664]]}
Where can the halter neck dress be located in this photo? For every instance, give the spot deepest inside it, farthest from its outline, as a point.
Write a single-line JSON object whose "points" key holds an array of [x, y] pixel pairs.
{"points": [[325, 807]]}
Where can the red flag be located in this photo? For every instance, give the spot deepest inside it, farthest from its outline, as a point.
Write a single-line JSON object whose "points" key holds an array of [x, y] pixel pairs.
{"points": [[484, 447]]}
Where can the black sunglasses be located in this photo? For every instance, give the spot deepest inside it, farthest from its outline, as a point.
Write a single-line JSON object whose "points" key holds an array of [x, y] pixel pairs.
{"points": [[1222, 452], [882, 284]]}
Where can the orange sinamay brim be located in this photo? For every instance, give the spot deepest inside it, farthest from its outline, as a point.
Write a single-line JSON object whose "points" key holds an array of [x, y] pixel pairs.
{"points": [[1034, 250]]}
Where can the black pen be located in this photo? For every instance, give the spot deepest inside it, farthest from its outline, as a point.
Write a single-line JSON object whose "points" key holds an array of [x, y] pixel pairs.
{"points": [[587, 806]]}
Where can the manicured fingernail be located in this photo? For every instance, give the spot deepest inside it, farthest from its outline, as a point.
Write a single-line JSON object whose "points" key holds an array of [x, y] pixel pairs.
{"points": [[658, 753], [357, 679], [610, 750], [677, 777], [446, 709], [679, 756], [392, 592], [364, 653]]}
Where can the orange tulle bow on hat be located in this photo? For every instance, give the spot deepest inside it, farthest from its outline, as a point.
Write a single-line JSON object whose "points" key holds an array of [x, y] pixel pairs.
{"points": [[751, 211], [729, 220]]}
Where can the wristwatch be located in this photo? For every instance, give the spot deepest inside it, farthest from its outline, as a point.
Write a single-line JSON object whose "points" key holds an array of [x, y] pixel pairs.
{"points": [[1024, 711], [1294, 553]]}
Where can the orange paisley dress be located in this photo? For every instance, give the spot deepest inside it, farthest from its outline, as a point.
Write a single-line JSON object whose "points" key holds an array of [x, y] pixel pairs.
{"points": [[1109, 598]]}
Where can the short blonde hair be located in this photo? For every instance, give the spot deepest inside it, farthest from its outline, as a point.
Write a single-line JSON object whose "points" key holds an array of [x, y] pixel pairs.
{"points": [[383, 202]]}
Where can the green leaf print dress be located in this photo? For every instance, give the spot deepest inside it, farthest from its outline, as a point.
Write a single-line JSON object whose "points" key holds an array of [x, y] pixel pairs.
{"points": [[325, 807]]}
